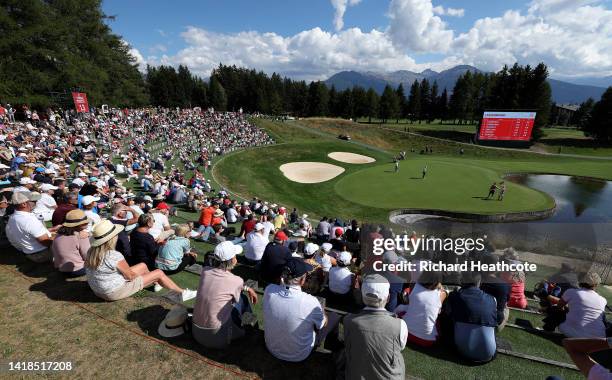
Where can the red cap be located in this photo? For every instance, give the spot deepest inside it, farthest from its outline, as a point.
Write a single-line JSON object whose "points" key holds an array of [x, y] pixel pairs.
{"points": [[280, 236], [339, 231], [162, 206]]}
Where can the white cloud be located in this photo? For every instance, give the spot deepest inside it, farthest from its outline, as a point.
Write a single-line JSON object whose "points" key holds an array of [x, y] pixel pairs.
{"points": [[140, 61], [339, 10], [573, 37], [311, 54], [414, 26], [453, 12], [158, 48], [569, 36]]}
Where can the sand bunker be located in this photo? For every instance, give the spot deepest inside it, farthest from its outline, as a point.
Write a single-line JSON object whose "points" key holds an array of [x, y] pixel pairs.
{"points": [[350, 158], [310, 172]]}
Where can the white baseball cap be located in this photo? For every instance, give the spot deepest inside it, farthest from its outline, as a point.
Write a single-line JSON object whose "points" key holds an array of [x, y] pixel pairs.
{"points": [[89, 199], [26, 181], [79, 182], [345, 258], [226, 250], [259, 227], [47, 187], [375, 287], [326, 247], [311, 249]]}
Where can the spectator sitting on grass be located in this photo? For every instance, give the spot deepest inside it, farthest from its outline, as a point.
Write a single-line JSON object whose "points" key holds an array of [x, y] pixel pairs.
{"points": [[69, 202], [516, 280], [26, 232], [316, 277], [338, 243], [421, 313], [323, 230], [161, 229], [374, 338], [111, 278], [340, 276], [176, 254], [295, 321], [497, 288], [324, 259], [220, 303], [71, 244], [474, 316], [143, 247], [585, 317], [256, 242], [274, 258]]}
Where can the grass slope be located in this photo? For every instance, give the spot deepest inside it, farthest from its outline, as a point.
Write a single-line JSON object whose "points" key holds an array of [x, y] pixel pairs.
{"points": [[367, 192]]}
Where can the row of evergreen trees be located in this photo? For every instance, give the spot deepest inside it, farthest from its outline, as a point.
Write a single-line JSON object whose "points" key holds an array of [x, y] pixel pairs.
{"points": [[54, 46]]}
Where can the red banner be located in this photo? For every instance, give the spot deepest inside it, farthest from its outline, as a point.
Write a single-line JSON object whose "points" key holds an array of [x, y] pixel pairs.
{"points": [[80, 101]]}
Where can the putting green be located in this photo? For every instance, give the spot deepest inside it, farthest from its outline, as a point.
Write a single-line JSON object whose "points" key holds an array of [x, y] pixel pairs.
{"points": [[447, 186]]}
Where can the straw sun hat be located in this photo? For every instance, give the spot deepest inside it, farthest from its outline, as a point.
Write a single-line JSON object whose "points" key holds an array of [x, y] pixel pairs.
{"points": [[103, 231], [75, 218], [173, 324]]}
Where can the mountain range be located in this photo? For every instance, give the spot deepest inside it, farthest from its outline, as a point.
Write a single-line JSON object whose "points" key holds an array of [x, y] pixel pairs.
{"points": [[562, 92]]}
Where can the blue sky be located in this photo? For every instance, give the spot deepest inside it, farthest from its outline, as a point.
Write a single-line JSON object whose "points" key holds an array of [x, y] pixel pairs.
{"points": [[301, 37]]}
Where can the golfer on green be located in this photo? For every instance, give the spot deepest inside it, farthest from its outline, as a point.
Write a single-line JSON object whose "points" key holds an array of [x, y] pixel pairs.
{"points": [[424, 171]]}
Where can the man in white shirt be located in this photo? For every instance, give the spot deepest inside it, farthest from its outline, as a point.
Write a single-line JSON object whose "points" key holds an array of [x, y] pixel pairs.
{"points": [[46, 205], [25, 231], [287, 309], [26, 184], [161, 230], [89, 203], [340, 276], [257, 240], [231, 215]]}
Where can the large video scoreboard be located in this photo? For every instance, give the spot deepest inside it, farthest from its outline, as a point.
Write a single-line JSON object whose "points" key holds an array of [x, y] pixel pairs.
{"points": [[507, 126]]}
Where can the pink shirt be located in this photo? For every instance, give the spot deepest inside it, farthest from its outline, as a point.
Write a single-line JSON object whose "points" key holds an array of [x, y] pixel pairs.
{"points": [[69, 252], [217, 292]]}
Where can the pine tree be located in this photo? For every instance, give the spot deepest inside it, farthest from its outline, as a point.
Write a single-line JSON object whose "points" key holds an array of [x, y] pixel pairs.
{"points": [[433, 101], [425, 100], [414, 102], [401, 101], [389, 106], [218, 98], [582, 116], [600, 124], [372, 104]]}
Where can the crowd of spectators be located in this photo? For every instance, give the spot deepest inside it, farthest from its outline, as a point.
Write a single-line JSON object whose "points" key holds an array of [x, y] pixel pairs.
{"points": [[67, 197]]}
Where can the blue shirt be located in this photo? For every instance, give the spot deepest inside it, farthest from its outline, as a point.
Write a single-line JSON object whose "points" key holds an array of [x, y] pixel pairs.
{"points": [[171, 253], [472, 305]]}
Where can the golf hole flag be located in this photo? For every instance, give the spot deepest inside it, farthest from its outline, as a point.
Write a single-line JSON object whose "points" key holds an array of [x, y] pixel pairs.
{"points": [[80, 101], [507, 126]]}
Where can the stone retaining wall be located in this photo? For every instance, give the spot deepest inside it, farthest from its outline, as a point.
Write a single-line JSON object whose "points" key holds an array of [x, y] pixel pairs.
{"points": [[478, 218]]}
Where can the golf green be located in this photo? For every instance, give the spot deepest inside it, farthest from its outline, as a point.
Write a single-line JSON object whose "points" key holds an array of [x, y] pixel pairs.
{"points": [[447, 186]]}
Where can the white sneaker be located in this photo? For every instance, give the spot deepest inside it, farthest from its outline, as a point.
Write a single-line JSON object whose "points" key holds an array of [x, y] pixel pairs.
{"points": [[157, 287], [188, 294]]}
